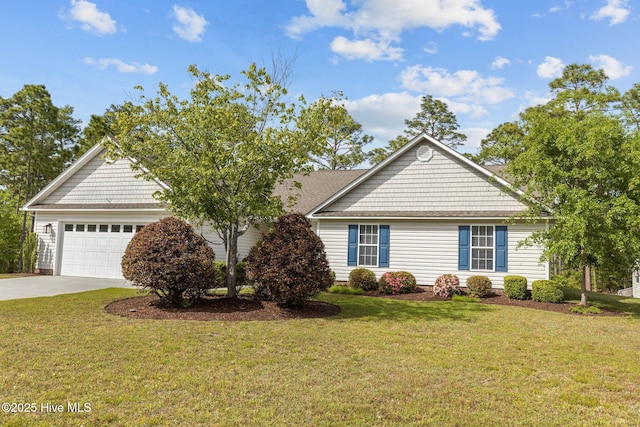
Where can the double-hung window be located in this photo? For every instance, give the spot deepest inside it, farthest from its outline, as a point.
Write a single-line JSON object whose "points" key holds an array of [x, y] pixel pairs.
{"points": [[368, 245], [482, 247]]}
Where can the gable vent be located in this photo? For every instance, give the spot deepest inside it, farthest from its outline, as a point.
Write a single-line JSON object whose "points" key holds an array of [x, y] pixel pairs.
{"points": [[424, 153]]}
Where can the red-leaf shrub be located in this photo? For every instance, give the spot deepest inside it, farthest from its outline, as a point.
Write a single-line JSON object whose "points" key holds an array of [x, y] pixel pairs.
{"points": [[289, 265], [170, 259], [398, 282]]}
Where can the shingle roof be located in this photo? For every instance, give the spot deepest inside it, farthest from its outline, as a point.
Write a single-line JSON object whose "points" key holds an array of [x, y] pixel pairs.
{"points": [[317, 187], [418, 214]]}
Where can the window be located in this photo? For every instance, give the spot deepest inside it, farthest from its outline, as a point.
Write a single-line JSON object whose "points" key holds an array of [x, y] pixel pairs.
{"points": [[68, 227], [368, 245], [79, 227], [139, 227], [482, 247], [91, 228], [104, 228], [127, 228], [115, 228]]}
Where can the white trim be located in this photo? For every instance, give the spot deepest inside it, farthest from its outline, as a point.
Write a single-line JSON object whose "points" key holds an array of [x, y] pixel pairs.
{"points": [[377, 245], [506, 220], [82, 210], [494, 239]]}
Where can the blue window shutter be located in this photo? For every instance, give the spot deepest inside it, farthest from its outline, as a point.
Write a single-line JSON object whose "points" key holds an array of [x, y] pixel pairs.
{"points": [[501, 248], [464, 247], [352, 250], [383, 260]]}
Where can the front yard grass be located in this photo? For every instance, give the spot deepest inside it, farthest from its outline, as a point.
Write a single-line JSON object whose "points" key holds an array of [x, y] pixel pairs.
{"points": [[379, 362]]}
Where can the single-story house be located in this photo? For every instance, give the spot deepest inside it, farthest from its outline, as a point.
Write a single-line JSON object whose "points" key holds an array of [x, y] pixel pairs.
{"points": [[425, 209]]}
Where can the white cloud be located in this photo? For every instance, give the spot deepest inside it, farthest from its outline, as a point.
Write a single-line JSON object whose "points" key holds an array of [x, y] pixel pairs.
{"points": [[384, 20], [499, 63], [466, 85], [613, 68], [431, 47], [616, 11], [190, 25], [550, 68], [383, 115], [122, 67], [92, 19], [368, 50], [474, 138], [557, 8]]}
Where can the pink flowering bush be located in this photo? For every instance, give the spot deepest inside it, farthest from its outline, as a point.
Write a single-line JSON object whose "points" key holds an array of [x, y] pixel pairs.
{"points": [[446, 286], [398, 282]]}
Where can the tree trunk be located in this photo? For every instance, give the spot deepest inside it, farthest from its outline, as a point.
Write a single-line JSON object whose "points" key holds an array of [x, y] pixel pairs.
{"points": [[586, 277], [231, 261]]}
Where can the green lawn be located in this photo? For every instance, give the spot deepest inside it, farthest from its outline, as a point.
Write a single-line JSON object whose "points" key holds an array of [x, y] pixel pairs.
{"points": [[380, 362]]}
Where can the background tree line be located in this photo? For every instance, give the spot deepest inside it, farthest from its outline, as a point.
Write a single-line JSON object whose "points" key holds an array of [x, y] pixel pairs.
{"points": [[577, 155]]}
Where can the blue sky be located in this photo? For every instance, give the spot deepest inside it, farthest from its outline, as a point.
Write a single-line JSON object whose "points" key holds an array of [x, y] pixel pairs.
{"points": [[487, 59]]}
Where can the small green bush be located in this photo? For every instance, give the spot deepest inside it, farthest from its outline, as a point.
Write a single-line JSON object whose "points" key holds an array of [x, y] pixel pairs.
{"points": [[398, 282], [363, 278], [337, 289], [569, 278], [515, 287], [579, 309], [446, 286], [479, 286], [546, 291]]}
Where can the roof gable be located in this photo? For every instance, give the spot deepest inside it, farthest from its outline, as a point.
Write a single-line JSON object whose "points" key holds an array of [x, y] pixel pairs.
{"points": [[92, 181], [425, 178]]}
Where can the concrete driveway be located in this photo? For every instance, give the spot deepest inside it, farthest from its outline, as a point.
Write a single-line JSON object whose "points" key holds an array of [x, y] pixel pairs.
{"points": [[45, 286]]}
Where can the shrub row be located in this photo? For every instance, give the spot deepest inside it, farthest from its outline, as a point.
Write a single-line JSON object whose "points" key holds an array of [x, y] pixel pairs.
{"points": [[396, 282]]}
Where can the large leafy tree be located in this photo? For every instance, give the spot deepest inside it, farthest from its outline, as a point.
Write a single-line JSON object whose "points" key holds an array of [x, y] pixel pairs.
{"points": [[222, 151], [337, 139], [38, 142], [501, 145], [435, 119], [576, 158]]}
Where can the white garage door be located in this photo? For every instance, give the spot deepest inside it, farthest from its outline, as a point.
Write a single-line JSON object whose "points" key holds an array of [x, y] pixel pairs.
{"points": [[95, 250]]}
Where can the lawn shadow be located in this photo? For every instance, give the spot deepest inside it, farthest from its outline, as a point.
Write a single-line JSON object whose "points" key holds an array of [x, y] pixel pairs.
{"points": [[375, 309], [627, 305]]}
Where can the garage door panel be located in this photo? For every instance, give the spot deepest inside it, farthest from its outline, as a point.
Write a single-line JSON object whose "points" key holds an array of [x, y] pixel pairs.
{"points": [[94, 253]]}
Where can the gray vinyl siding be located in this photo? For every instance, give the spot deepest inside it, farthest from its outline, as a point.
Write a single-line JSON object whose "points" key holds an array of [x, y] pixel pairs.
{"points": [[245, 242], [99, 182], [440, 184], [429, 248]]}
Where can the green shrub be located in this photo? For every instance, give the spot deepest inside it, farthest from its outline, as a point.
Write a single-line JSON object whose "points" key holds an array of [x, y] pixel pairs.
{"points": [[332, 275], [289, 264], [363, 278], [398, 282], [579, 309], [169, 258], [337, 289], [546, 291], [515, 287], [479, 286], [569, 278], [447, 286]]}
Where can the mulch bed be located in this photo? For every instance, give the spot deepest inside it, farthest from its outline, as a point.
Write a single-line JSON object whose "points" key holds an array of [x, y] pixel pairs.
{"points": [[246, 309], [218, 308]]}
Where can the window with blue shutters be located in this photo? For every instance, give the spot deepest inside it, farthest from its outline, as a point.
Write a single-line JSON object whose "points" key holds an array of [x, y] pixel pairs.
{"points": [[482, 247], [368, 245]]}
